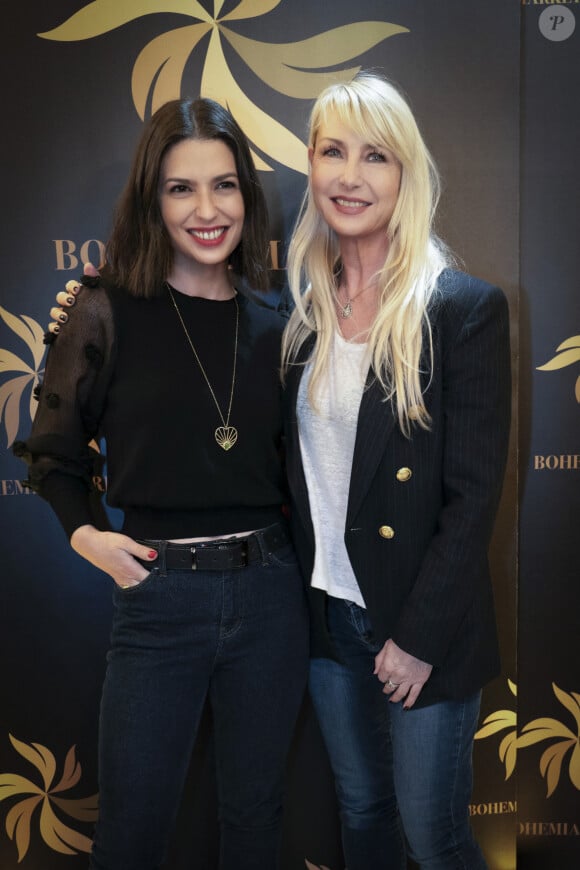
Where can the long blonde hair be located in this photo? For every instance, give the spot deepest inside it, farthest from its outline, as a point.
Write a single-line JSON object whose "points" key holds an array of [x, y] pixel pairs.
{"points": [[373, 108]]}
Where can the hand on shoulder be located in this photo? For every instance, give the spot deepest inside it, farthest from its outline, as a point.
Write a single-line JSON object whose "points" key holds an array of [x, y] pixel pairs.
{"points": [[67, 298]]}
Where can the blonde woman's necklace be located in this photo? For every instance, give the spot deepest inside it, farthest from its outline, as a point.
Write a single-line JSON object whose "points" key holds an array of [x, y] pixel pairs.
{"points": [[225, 435], [346, 309]]}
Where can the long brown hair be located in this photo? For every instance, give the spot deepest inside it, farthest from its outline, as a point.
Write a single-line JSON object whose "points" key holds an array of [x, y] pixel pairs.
{"points": [[139, 253]]}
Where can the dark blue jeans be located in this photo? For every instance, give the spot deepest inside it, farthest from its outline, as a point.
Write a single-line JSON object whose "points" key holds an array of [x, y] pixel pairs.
{"points": [[238, 638], [401, 775]]}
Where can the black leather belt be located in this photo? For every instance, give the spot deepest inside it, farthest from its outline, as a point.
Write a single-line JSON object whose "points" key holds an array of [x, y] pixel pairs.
{"points": [[224, 554]]}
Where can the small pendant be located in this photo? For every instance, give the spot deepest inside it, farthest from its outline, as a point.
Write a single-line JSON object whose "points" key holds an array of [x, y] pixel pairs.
{"points": [[346, 310], [226, 436]]}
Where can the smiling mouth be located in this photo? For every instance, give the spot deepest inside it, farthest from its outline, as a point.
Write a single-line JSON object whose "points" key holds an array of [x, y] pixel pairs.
{"points": [[211, 235], [349, 203]]}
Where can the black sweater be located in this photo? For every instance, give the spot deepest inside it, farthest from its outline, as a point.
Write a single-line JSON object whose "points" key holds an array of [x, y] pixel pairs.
{"points": [[123, 370]]}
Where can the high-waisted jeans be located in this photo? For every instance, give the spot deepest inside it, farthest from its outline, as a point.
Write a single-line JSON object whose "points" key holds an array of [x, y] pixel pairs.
{"points": [[401, 775], [238, 638]]}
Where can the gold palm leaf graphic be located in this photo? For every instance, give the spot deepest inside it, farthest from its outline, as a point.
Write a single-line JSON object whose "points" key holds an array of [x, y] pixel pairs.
{"points": [[288, 68], [499, 721], [553, 757], [55, 833], [266, 132], [567, 354], [284, 66], [102, 16], [537, 731], [12, 390]]}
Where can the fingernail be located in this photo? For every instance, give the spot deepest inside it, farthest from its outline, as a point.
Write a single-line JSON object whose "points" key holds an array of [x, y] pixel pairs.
{"points": [[152, 554], [72, 286], [70, 300], [63, 318]]}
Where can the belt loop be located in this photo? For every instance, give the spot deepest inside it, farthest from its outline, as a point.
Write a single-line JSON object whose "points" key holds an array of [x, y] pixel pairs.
{"points": [[264, 548], [161, 559]]}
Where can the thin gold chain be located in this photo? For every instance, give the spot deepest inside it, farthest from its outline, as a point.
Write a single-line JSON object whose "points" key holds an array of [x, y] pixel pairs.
{"points": [[226, 420]]}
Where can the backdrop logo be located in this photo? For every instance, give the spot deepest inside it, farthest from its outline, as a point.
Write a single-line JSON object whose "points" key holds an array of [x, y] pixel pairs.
{"points": [[288, 68], [60, 837], [70, 254], [12, 390], [567, 354], [548, 829], [503, 720], [564, 739]]}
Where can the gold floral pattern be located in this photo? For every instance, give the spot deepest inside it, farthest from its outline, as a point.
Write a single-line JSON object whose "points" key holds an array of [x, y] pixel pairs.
{"points": [[292, 69], [565, 740], [12, 390], [567, 354], [545, 728], [55, 833], [499, 721]]}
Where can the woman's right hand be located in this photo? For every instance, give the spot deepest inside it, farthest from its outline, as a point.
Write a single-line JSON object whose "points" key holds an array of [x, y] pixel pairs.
{"points": [[113, 553], [66, 299]]}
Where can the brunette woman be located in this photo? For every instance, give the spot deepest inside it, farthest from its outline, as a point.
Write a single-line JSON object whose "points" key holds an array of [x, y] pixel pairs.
{"points": [[178, 371]]}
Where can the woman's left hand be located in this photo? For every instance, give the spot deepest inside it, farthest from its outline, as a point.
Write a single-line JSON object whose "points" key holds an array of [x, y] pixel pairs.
{"points": [[403, 675]]}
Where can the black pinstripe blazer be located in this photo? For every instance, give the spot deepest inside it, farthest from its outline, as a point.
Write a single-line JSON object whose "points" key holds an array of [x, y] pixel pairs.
{"points": [[421, 509]]}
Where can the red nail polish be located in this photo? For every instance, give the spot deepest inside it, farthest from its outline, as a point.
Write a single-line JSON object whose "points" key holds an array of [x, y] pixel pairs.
{"points": [[152, 554]]}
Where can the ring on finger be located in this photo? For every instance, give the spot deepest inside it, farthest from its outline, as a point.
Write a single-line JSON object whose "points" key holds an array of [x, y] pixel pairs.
{"points": [[390, 685]]}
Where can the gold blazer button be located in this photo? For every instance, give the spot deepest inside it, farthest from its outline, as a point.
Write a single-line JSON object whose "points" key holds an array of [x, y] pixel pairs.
{"points": [[387, 532], [404, 474]]}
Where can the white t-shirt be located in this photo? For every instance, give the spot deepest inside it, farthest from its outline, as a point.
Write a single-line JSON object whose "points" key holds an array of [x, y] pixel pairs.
{"points": [[327, 438]]}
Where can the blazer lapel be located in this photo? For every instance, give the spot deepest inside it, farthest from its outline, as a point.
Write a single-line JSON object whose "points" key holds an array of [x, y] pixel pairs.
{"points": [[294, 465], [374, 428]]}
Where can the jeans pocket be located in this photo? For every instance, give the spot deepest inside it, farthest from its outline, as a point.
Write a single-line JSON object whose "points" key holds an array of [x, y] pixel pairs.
{"points": [[285, 557], [361, 623], [144, 583]]}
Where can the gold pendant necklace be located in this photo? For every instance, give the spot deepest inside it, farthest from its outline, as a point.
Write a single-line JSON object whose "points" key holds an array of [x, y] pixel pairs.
{"points": [[225, 435], [346, 309]]}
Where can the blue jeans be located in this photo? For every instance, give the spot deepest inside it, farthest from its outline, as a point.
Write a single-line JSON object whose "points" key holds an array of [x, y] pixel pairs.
{"points": [[401, 775], [238, 638]]}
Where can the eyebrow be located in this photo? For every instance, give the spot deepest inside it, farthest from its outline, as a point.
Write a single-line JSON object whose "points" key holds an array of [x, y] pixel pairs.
{"points": [[333, 141], [221, 177]]}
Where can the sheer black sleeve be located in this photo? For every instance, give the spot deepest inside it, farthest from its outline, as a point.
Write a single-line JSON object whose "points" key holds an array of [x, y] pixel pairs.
{"points": [[72, 399]]}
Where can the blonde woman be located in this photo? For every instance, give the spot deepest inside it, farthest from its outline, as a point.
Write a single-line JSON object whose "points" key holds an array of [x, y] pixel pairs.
{"points": [[397, 379]]}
